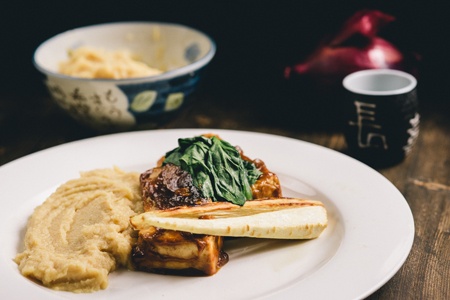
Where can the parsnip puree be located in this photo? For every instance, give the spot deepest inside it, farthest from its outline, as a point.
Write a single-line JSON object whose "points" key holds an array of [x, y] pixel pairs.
{"points": [[82, 231], [91, 62]]}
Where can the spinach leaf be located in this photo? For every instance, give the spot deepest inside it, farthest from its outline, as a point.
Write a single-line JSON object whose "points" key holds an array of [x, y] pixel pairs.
{"points": [[216, 167]]}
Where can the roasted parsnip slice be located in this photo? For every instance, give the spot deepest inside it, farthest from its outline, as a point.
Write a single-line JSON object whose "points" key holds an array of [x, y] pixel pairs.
{"points": [[284, 218]]}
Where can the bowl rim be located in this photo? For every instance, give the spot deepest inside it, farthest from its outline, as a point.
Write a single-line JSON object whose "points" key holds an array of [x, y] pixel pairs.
{"points": [[154, 78]]}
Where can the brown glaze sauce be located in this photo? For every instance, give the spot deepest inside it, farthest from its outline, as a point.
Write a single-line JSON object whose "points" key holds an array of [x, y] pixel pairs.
{"points": [[169, 186], [268, 185]]}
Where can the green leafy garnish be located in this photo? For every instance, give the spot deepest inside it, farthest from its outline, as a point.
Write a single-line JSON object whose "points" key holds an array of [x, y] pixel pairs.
{"points": [[216, 167]]}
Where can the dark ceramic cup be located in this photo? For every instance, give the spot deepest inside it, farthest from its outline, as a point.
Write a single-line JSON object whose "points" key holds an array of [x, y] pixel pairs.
{"points": [[382, 115]]}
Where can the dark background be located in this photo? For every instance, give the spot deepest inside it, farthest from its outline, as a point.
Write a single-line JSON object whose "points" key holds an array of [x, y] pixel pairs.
{"points": [[255, 39]]}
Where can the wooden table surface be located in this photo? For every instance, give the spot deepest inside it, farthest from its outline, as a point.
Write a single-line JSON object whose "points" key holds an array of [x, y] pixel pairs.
{"points": [[423, 177]]}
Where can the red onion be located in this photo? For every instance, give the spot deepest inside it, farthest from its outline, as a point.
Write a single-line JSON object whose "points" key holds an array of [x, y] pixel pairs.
{"points": [[355, 47]]}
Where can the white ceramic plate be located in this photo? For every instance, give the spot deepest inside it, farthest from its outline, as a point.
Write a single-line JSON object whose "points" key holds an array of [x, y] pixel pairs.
{"points": [[370, 232]]}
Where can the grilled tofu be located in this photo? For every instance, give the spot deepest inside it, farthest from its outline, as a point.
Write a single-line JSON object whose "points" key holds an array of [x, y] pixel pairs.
{"points": [[180, 253]]}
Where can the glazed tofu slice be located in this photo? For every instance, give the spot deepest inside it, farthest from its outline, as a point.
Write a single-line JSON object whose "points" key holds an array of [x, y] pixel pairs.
{"points": [[181, 253]]}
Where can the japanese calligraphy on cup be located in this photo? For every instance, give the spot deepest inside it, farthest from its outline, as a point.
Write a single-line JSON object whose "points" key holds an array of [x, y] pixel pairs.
{"points": [[382, 121]]}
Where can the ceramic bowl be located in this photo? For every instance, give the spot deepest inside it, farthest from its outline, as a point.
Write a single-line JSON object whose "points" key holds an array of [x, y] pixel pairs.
{"points": [[123, 104]]}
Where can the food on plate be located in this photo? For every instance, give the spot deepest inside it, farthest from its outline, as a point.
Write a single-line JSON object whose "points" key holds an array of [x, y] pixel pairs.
{"points": [[82, 231], [170, 219], [91, 62], [191, 189]]}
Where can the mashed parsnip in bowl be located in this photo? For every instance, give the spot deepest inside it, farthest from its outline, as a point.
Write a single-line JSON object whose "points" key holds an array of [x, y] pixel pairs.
{"points": [[124, 76], [94, 62]]}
